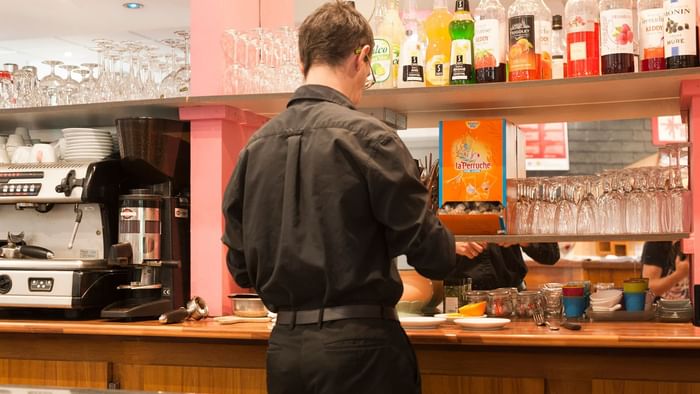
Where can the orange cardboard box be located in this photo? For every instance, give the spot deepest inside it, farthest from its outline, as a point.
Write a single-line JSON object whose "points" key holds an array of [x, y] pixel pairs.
{"points": [[476, 158], [473, 160]]}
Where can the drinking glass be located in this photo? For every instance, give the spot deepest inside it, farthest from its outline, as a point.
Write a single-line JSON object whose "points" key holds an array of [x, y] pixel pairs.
{"points": [[51, 84]]}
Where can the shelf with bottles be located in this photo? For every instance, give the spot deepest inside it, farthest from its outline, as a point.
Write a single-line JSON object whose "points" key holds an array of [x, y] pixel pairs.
{"points": [[608, 97]]}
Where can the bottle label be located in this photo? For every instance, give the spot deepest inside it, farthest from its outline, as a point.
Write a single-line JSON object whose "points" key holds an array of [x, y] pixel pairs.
{"points": [[580, 24], [489, 50], [577, 51], [521, 40], [451, 304], [413, 72], [616, 33], [680, 25], [543, 47], [436, 69], [651, 36], [381, 60], [460, 60]]}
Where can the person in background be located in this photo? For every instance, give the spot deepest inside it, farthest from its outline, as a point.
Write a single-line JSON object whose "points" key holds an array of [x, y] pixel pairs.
{"points": [[667, 269], [491, 266], [323, 198]]}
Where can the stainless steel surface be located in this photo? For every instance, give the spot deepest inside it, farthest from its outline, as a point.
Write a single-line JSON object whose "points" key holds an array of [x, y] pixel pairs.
{"points": [[140, 227], [513, 239], [53, 264], [53, 173], [59, 295], [52, 230], [247, 305]]}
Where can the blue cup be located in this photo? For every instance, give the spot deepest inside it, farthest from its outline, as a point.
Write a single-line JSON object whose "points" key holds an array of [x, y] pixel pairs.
{"points": [[634, 302], [574, 306]]}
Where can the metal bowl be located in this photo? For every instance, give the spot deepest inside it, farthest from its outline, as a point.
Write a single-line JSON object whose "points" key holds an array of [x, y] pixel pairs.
{"points": [[247, 305]]}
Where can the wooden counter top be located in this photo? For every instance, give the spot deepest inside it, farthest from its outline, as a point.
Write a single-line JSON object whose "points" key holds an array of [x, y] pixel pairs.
{"points": [[593, 335]]}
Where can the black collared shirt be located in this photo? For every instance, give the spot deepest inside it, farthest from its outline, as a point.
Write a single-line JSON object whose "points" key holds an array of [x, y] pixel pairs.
{"points": [[322, 199]]}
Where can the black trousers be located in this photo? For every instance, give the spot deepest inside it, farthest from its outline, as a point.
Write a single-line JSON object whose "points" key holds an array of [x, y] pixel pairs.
{"points": [[353, 356]]}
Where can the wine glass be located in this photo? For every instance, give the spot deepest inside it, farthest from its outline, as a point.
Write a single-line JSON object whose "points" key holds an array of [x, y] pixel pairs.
{"points": [[51, 84], [70, 86]]}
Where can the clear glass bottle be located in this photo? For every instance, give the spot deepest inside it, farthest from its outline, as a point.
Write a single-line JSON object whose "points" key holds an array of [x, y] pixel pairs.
{"points": [[490, 37], [543, 22], [680, 33], [582, 38], [437, 56], [616, 36], [454, 296], [651, 34], [461, 54], [412, 58], [558, 49], [388, 34], [523, 39]]}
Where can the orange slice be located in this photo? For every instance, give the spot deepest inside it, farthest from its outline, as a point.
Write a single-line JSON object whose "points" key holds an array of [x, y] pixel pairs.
{"points": [[475, 309]]}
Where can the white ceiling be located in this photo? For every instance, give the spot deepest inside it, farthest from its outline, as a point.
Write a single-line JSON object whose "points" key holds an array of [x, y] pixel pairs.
{"points": [[36, 30]]}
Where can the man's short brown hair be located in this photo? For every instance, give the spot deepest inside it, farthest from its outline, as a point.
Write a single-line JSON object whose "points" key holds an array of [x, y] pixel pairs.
{"points": [[331, 33]]}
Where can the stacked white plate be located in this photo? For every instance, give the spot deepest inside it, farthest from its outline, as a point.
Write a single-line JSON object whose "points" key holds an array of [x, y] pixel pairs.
{"points": [[87, 144]]}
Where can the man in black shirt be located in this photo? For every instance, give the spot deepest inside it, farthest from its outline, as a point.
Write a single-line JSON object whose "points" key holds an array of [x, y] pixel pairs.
{"points": [[322, 199], [491, 266]]}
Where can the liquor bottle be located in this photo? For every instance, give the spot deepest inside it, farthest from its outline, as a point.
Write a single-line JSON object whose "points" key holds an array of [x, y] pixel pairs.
{"points": [[388, 33], [412, 59], [680, 33], [651, 34], [616, 36], [558, 49], [490, 38], [397, 32], [522, 40], [437, 57], [582, 38], [461, 54], [543, 48]]}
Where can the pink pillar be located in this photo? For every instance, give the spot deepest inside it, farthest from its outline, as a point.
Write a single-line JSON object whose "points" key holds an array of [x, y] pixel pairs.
{"points": [[218, 134], [690, 108]]}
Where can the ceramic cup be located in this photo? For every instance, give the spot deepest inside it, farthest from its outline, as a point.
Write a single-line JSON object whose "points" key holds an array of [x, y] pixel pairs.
{"points": [[43, 153], [4, 157], [23, 154], [24, 133], [634, 302], [574, 306], [14, 140]]}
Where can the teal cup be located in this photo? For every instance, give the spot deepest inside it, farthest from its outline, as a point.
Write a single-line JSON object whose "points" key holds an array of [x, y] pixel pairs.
{"points": [[634, 302], [574, 306]]}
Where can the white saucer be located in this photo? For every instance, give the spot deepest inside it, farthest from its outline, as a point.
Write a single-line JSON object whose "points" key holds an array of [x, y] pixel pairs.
{"points": [[451, 319], [482, 323], [421, 321]]}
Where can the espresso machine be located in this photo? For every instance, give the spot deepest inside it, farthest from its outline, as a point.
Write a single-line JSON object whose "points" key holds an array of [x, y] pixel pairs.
{"points": [[153, 214], [57, 224]]}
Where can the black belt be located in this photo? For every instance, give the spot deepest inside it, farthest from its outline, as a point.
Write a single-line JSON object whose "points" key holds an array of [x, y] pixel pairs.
{"points": [[312, 316]]}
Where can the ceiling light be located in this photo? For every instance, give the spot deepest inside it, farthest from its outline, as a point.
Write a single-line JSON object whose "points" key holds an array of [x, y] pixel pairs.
{"points": [[133, 6]]}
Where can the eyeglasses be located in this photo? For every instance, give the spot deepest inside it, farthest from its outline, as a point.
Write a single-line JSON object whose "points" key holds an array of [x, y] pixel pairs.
{"points": [[371, 79]]}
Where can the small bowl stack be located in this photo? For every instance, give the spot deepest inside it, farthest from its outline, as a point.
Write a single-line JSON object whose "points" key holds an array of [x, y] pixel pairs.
{"points": [[674, 311], [606, 300], [87, 144]]}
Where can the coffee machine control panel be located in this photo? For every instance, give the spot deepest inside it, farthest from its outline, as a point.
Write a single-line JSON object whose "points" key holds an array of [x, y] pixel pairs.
{"points": [[42, 183]]}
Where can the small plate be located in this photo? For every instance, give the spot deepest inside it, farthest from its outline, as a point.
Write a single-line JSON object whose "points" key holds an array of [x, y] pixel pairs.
{"points": [[450, 317], [482, 323], [421, 321]]}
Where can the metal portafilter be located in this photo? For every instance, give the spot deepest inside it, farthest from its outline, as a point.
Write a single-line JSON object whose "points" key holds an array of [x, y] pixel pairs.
{"points": [[195, 309]]}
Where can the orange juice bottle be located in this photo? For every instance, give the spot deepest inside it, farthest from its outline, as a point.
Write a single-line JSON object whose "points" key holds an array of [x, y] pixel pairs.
{"points": [[523, 40], [437, 56]]}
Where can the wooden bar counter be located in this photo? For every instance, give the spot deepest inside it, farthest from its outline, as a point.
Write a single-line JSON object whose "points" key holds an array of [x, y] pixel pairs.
{"points": [[207, 357]]}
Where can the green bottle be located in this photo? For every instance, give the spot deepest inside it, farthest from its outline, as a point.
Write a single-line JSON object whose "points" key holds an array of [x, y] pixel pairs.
{"points": [[462, 34]]}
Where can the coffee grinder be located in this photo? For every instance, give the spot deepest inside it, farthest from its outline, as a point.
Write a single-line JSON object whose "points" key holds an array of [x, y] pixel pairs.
{"points": [[153, 218]]}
